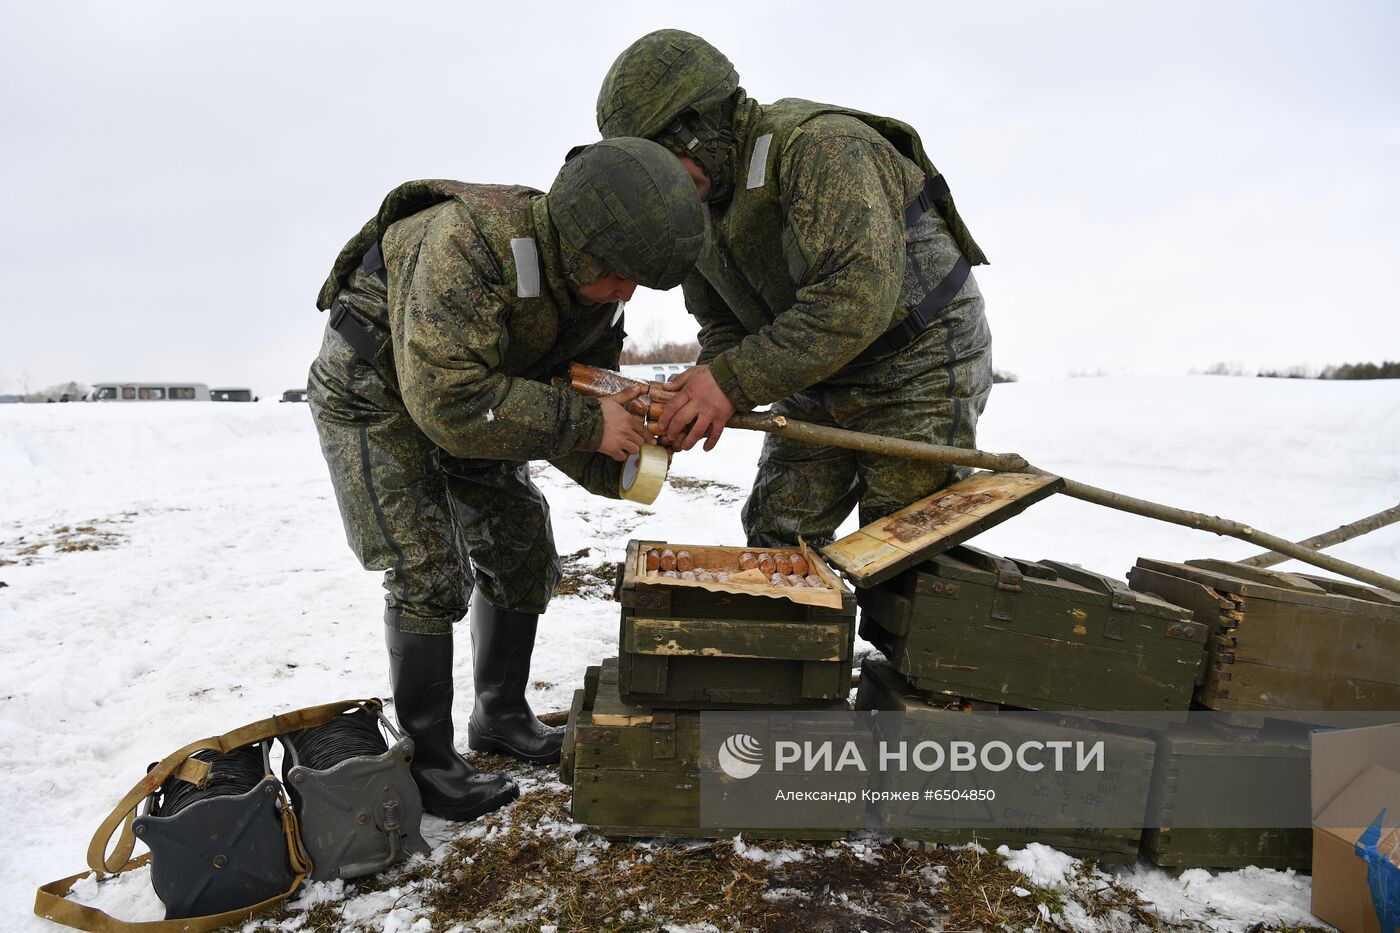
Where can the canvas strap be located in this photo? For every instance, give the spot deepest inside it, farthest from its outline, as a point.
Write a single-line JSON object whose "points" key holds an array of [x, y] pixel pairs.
{"points": [[51, 902]]}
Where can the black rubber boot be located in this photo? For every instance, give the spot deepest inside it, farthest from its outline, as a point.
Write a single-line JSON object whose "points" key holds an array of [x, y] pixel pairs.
{"points": [[502, 643], [420, 669]]}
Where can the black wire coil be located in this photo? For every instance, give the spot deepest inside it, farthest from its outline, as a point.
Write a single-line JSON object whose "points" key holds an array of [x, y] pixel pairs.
{"points": [[350, 735], [236, 772]]}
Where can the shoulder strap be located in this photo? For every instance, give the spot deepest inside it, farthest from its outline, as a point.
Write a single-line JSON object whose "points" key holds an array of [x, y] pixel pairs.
{"points": [[50, 901], [788, 113]]}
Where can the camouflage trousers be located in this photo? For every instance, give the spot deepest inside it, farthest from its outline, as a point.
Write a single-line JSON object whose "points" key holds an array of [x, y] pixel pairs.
{"points": [[437, 525], [933, 390]]}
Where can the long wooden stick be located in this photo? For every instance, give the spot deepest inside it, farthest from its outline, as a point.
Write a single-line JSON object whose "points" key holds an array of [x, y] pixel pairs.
{"points": [[1336, 536], [593, 381], [1014, 463]]}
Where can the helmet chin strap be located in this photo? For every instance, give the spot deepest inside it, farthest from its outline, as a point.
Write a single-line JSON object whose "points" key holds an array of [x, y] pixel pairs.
{"points": [[708, 138]]}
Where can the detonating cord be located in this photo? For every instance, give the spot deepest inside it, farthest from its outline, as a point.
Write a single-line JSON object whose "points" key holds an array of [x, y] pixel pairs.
{"points": [[236, 772], [352, 735]]}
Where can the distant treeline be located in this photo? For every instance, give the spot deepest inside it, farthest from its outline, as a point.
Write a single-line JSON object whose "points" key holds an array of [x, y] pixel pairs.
{"points": [[63, 392], [668, 351], [687, 351], [1387, 370], [1390, 369]]}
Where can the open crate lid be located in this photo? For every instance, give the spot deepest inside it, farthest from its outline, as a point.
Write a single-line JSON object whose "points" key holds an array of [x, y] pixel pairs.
{"points": [[936, 523]]}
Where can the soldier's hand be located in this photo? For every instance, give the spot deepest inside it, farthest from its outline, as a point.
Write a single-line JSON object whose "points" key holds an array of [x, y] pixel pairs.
{"points": [[623, 432], [700, 409]]}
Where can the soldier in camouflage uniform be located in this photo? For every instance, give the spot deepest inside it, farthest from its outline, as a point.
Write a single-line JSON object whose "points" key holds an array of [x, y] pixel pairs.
{"points": [[451, 310], [835, 285]]}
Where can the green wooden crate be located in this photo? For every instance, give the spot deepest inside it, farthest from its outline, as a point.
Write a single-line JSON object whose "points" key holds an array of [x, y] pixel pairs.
{"points": [[635, 770], [1129, 769], [1042, 636], [1278, 753], [1281, 642], [702, 646]]}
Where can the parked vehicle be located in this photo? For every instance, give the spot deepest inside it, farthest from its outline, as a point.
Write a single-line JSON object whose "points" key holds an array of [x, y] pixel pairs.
{"points": [[654, 372], [294, 395], [149, 392], [232, 395]]}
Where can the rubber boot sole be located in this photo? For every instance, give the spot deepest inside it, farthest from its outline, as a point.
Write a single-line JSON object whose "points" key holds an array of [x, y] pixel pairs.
{"points": [[461, 813], [486, 743]]}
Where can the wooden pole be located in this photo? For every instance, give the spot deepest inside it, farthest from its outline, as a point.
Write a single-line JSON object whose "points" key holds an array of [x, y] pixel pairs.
{"points": [[1014, 463], [1336, 536]]}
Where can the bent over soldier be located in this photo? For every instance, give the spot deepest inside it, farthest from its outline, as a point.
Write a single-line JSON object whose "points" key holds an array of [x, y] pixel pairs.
{"points": [[835, 285], [451, 310]]}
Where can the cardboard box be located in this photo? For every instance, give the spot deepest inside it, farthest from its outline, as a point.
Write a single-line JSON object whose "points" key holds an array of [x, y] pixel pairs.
{"points": [[1356, 828]]}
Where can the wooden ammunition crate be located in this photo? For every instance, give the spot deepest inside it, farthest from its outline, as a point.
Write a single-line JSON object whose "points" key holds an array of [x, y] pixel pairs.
{"points": [[1127, 773], [1279, 754], [635, 770], [1043, 636], [690, 645], [1281, 643]]}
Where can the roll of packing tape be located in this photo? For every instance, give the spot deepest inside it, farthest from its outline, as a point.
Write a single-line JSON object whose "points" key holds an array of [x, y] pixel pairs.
{"points": [[643, 475]]}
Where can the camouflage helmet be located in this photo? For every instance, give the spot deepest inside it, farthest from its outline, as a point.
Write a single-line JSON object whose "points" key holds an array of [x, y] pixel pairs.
{"points": [[659, 77], [631, 206]]}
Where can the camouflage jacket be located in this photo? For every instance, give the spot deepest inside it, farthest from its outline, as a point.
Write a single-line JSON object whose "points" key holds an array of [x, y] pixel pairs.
{"points": [[806, 262], [480, 318]]}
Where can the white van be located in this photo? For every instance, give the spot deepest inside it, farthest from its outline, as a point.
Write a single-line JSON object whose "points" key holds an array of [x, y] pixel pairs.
{"points": [[654, 372], [149, 392]]}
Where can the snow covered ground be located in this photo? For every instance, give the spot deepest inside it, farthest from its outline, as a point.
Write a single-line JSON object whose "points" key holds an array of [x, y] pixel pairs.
{"points": [[174, 570]]}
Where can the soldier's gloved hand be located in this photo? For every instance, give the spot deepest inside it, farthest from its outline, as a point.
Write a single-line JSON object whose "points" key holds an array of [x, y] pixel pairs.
{"points": [[623, 432], [700, 409]]}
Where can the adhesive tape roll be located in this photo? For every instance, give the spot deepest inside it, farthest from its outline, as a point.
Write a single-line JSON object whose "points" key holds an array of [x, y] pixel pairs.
{"points": [[643, 475]]}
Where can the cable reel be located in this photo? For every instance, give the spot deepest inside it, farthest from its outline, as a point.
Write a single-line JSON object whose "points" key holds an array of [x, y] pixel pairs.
{"points": [[220, 844], [357, 803]]}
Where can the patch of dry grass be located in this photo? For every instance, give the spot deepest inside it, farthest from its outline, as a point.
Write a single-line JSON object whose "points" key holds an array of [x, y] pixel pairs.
{"points": [[95, 535], [591, 580]]}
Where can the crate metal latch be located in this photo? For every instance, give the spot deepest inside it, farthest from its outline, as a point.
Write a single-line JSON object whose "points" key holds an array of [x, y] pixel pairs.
{"points": [[663, 736]]}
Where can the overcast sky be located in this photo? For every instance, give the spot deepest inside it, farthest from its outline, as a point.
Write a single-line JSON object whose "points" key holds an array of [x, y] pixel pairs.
{"points": [[1159, 186]]}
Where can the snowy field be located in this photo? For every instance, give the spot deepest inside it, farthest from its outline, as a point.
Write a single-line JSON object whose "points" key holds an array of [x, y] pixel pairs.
{"points": [[172, 571]]}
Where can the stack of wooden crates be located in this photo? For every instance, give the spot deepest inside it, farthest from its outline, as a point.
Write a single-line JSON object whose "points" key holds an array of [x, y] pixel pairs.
{"points": [[632, 750], [1283, 650], [964, 629], [961, 628]]}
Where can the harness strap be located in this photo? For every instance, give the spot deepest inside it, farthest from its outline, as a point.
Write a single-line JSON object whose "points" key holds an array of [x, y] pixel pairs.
{"points": [[366, 340], [934, 189], [919, 317], [925, 312]]}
